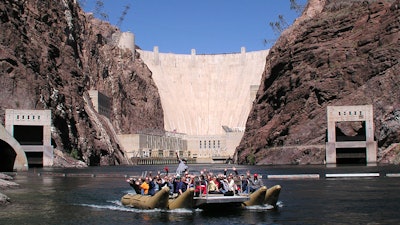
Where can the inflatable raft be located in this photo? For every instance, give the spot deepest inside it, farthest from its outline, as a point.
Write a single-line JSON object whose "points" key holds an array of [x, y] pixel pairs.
{"points": [[187, 200], [159, 200], [183, 201], [264, 196], [272, 195], [257, 197]]}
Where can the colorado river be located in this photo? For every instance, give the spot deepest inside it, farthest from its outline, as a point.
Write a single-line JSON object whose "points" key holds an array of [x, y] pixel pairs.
{"points": [[92, 196]]}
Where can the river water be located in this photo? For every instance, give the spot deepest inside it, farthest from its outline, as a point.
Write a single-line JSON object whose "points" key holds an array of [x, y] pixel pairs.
{"points": [[92, 196]]}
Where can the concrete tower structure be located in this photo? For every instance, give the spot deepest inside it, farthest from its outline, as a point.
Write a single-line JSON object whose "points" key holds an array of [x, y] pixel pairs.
{"points": [[207, 97], [349, 148], [127, 41]]}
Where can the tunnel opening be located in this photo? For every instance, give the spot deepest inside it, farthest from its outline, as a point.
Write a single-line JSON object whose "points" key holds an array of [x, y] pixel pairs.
{"points": [[354, 156], [7, 157], [357, 131], [347, 131], [35, 159], [29, 137]]}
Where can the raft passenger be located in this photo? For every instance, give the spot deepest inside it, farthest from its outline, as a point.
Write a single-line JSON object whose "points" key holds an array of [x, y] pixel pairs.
{"points": [[182, 186], [135, 184], [255, 183], [213, 186], [182, 167], [144, 187]]}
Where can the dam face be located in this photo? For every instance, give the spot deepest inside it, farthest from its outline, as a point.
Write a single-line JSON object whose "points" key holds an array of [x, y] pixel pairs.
{"points": [[207, 98]]}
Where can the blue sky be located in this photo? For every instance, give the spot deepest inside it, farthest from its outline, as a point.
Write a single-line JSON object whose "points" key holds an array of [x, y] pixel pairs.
{"points": [[209, 26]]}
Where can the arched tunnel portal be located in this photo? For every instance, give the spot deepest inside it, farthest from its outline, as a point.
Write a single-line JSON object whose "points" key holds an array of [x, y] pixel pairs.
{"points": [[7, 157], [12, 156]]}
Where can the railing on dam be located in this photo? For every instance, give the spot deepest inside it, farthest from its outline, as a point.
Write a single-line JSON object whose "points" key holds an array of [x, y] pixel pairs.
{"points": [[158, 161]]}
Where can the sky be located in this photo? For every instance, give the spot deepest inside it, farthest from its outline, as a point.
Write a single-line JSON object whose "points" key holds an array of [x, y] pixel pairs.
{"points": [[209, 26]]}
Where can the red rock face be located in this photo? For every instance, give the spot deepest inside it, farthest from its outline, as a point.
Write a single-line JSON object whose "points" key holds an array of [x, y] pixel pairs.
{"points": [[348, 54], [51, 54]]}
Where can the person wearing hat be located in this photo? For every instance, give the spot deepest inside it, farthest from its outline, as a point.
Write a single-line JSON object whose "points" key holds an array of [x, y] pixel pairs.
{"points": [[255, 183], [182, 167]]}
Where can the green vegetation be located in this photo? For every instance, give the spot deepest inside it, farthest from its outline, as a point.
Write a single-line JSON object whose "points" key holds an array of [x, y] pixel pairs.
{"points": [[98, 10], [75, 154], [298, 8], [251, 159], [122, 17], [101, 14], [281, 24]]}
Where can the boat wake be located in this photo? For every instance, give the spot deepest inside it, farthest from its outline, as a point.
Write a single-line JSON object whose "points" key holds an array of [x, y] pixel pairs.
{"points": [[117, 206], [279, 204]]}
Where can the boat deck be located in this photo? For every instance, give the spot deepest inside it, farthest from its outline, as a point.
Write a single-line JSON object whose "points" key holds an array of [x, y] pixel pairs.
{"points": [[216, 200]]}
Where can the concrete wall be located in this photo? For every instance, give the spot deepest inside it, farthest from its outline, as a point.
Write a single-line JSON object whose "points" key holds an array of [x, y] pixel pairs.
{"points": [[101, 103], [206, 146], [147, 145], [201, 93], [130, 144]]}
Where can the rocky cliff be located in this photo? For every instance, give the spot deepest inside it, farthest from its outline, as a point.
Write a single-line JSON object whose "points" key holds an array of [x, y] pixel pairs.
{"points": [[51, 54], [336, 53]]}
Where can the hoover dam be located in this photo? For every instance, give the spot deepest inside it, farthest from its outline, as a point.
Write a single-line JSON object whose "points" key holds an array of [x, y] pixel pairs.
{"points": [[207, 98]]}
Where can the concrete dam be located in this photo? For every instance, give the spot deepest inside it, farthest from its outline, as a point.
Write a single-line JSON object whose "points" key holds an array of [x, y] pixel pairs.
{"points": [[207, 98]]}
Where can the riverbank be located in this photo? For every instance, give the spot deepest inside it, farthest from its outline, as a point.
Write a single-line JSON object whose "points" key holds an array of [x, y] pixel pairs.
{"points": [[5, 182]]}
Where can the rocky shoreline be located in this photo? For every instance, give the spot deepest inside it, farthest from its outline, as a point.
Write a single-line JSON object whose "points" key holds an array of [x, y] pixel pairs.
{"points": [[6, 182]]}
